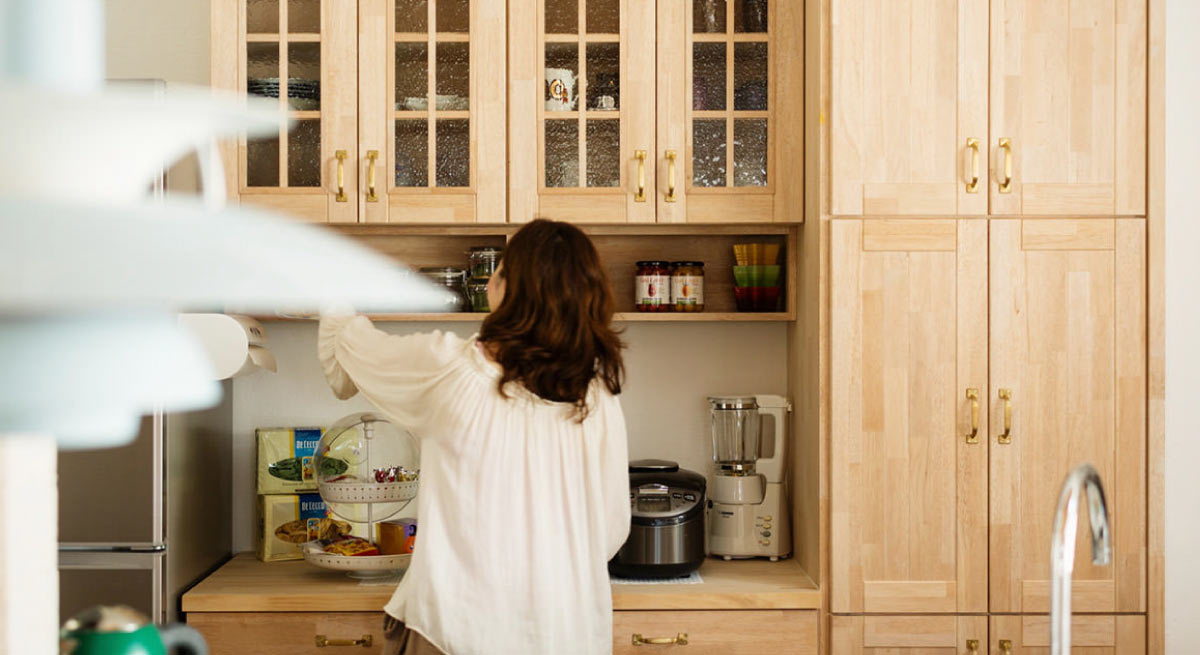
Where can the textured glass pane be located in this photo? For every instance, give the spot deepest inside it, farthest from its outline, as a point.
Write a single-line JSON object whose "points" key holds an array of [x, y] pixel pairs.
{"points": [[304, 16], [708, 16], [562, 16], [262, 69], [412, 153], [304, 154], [708, 153], [304, 75], [708, 76], [453, 153], [750, 152], [453, 76], [562, 76], [603, 153], [262, 162], [562, 153], [750, 76], [750, 16], [453, 16], [603, 16], [412, 76], [604, 76], [262, 16], [412, 16]]}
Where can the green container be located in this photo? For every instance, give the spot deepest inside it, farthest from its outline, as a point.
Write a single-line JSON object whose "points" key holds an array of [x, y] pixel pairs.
{"points": [[120, 630], [756, 276]]}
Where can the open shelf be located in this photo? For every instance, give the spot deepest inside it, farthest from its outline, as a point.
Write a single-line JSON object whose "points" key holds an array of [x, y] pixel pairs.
{"points": [[623, 317]]}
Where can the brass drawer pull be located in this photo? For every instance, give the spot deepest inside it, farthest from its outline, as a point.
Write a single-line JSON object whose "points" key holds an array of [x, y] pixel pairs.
{"points": [[973, 185], [1006, 183], [678, 640], [640, 196], [372, 157], [1006, 436], [670, 154], [341, 175], [1005, 646], [973, 396], [365, 642], [972, 647]]}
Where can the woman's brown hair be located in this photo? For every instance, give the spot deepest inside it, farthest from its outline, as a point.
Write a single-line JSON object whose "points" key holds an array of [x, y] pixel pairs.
{"points": [[553, 331]]}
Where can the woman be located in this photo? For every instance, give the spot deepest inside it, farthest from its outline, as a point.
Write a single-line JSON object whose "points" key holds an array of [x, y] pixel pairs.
{"points": [[524, 468]]}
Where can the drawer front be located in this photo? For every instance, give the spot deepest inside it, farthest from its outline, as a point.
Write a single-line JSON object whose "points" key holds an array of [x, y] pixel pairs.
{"points": [[722, 632], [288, 633]]}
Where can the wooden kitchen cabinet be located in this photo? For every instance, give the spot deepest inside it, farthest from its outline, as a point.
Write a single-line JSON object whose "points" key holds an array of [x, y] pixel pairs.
{"points": [[1002, 107], [1068, 94], [289, 633], [655, 112], [1090, 635], [919, 635], [909, 382], [1068, 352], [730, 632]]}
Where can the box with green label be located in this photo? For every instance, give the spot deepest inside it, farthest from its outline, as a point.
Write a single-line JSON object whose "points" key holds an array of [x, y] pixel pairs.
{"points": [[285, 459]]}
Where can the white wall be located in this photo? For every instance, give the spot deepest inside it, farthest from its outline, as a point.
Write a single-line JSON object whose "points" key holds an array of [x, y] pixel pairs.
{"points": [[671, 370], [1183, 328]]}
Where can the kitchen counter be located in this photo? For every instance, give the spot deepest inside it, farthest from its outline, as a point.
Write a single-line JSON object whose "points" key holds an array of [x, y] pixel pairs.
{"points": [[245, 584]]}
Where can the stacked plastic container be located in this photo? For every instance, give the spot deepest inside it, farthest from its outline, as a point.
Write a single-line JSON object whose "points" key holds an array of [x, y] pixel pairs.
{"points": [[756, 277]]}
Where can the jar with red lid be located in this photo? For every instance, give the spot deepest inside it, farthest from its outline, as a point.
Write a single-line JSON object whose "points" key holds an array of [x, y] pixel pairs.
{"points": [[652, 287]]}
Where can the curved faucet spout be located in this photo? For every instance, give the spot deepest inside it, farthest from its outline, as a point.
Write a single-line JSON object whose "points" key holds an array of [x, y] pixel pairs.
{"points": [[1062, 550]]}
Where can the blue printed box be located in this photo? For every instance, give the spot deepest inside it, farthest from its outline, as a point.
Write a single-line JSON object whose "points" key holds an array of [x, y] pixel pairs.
{"points": [[285, 460]]}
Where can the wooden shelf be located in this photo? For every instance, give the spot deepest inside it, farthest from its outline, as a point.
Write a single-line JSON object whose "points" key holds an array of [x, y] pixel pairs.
{"points": [[625, 317]]}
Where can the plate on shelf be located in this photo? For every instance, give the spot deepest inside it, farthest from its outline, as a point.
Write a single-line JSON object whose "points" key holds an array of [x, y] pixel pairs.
{"points": [[358, 491], [357, 566]]}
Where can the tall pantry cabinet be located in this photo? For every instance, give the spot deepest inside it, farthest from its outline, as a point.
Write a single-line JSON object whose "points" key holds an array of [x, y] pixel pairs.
{"points": [[985, 200]]}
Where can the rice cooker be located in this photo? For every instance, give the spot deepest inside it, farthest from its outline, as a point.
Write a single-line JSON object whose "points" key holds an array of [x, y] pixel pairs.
{"points": [[666, 535]]}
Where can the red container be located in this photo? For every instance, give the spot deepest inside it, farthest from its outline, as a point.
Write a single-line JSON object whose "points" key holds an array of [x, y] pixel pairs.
{"points": [[756, 299]]}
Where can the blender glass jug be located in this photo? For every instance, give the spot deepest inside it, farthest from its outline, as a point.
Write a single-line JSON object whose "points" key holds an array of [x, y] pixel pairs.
{"points": [[735, 431]]}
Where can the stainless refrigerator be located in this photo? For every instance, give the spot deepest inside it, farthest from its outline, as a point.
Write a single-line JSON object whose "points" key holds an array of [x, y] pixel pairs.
{"points": [[141, 524]]}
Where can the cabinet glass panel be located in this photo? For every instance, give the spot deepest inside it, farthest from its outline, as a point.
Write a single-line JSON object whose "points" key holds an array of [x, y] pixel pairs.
{"points": [[750, 76], [708, 16], [304, 16], [283, 62], [304, 154], [750, 152], [412, 153], [750, 16], [708, 153], [708, 76], [412, 16], [581, 107], [431, 76], [562, 153], [262, 16]]}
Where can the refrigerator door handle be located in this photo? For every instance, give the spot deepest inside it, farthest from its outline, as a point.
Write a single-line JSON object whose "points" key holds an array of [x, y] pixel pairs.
{"points": [[140, 549]]}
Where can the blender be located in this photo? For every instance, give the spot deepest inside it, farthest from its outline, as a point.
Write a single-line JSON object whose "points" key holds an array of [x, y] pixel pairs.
{"points": [[748, 513]]}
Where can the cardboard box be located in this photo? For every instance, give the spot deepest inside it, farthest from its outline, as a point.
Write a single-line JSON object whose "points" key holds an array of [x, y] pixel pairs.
{"points": [[285, 460], [287, 522]]}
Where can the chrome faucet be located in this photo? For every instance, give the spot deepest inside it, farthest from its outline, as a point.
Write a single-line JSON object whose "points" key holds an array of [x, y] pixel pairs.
{"points": [[1062, 549]]}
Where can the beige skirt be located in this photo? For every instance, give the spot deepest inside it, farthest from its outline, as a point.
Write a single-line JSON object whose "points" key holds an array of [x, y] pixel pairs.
{"points": [[402, 641]]}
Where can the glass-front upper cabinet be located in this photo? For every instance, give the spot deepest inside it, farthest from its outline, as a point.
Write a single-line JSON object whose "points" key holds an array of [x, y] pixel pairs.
{"points": [[731, 110], [431, 101], [581, 136], [302, 54]]}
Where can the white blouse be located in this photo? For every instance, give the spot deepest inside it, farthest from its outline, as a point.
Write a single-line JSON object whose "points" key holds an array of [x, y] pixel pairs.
{"points": [[520, 506]]}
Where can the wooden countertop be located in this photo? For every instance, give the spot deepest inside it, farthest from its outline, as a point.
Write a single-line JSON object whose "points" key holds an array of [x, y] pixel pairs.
{"points": [[245, 584]]}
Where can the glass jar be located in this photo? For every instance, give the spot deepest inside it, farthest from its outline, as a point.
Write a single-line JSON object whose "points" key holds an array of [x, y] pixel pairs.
{"points": [[483, 260], [652, 286], [687, 286], [453, 279], [477, 292]]}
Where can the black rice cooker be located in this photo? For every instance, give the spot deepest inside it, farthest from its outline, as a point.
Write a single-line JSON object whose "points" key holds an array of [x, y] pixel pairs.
{"points": [[666, 535]]}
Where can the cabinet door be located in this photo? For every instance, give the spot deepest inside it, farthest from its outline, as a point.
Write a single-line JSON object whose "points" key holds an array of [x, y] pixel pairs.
{"points": [[302, 53], [899, 635], [581, 106], [1090, 635], [908, 385], [1069, 95], [289, 633], [730, 111], [909, 107], [431, 96], [1068, 353], [737, 632]]}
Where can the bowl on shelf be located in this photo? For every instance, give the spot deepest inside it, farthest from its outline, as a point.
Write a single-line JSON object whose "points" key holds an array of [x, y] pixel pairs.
{"points": [[756, 254], [756, 276], [756, 299]]}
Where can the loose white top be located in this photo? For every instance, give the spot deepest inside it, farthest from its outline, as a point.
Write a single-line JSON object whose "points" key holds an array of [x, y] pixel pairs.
{"points": [[520, 506]]}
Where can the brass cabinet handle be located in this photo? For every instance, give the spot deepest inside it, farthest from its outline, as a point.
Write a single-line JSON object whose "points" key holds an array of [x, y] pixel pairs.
{"points": [[670, 154], [678, 640], [973, 185], [973, 396], [640, 196], [341, 175], [972, 647], [1006, 396], [372, 155], [1006, 183], [1005, 646], [365, 642]]}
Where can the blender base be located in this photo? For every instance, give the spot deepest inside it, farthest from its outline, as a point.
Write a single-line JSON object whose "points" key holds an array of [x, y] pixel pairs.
{"points": [[742, 531]]}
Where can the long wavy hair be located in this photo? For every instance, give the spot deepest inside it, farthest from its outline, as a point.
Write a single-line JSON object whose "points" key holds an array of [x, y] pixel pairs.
{"points": [[552, 332]]}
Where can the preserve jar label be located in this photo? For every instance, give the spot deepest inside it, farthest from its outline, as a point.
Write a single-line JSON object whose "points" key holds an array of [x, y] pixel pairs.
{"points": [[653, 290], [687, 289]]}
